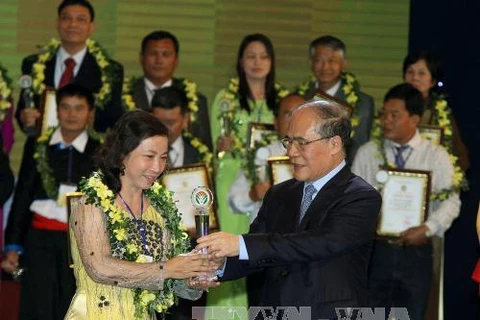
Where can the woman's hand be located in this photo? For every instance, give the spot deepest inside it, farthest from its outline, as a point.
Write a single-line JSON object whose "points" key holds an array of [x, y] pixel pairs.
{"points": [[224, 143], [190, 266]]}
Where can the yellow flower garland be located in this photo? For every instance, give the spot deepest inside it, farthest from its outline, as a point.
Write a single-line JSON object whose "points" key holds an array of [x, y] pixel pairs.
{"points": [[5, 93], [458, 181], [189, 87], [351, 89], [205, 155], [101, 57], [100, 195], [231, 94]]}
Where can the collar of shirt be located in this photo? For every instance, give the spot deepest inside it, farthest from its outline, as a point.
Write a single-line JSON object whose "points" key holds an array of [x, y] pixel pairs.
{"points": [[62, 55], [332, 90], [150, 87], [178, 146], [320, 183], [79, 143], [413, 143]]}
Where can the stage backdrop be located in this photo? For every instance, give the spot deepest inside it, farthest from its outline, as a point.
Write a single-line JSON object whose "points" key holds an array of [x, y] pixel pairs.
{"points": [[209, 31]]}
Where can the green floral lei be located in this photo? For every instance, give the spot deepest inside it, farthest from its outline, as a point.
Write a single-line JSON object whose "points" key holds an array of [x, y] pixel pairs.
{"points": [[249, 164], [102, 58], [458, 182], [205, 155], [231, 95], [351, 89], [189, 87], [49, 183], [5, 93], [98, 194]]}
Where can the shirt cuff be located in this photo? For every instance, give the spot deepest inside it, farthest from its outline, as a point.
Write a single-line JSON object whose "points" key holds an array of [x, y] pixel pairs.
{"points": [[221, 271], [13, 247], [243, 253]]}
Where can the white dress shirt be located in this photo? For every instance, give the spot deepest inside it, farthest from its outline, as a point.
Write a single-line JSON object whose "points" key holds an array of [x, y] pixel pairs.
{"points": [[150, 88], [176, 152], [424, 156], [63, 55]]}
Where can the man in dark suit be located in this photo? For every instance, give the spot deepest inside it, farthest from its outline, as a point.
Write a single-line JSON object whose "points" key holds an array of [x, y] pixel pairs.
{"points": [[328, 65], [52, 165], [159, 57], [313, 234], [73, 62]]}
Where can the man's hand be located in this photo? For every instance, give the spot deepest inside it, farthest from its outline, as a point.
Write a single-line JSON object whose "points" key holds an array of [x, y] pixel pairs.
{"points": [[257, 192], [201, 285], [29, 116], [415, 236], [10, 261], [224, 143], [220, 244]]}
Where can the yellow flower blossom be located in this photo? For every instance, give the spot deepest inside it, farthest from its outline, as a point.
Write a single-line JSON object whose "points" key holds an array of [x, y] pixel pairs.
{"points": [[120, 234]]}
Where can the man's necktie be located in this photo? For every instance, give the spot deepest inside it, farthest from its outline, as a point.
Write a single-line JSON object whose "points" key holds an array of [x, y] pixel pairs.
{"points": [[306, 200], [399, 159], [67, 76]]}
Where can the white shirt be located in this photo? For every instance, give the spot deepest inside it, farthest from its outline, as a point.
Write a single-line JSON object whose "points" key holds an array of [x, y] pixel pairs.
{"points": [[332, 90], [238, 195], [424, 156], [63, 55], [176, 153], [150, 88], [49, 208]]}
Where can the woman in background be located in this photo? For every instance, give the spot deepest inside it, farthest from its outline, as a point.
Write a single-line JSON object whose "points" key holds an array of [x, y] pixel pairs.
{"points": [[251, 96]]}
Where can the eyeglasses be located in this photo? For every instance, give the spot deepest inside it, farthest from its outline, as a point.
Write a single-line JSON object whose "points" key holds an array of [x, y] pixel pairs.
{"points": [[299, 143]]}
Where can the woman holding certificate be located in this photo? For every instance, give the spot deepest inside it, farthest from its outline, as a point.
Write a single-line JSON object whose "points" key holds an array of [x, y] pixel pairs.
{"points": [[422, 70], [125, 232], [251, 96]]}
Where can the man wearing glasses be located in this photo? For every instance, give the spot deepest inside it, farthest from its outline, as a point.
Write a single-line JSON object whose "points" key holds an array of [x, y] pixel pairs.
{"points": [[313, 234]]}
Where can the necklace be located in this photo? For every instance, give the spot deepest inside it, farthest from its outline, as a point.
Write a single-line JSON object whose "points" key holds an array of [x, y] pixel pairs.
{"points": [[139, 222]]}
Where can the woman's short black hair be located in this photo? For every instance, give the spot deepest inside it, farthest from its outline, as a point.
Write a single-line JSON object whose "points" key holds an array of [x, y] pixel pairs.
{"points": [[127, 134]]}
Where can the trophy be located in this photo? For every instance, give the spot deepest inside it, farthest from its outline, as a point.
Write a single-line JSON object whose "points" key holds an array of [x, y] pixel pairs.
{"points": [[25, 82], [202, 199], [225, 119]]}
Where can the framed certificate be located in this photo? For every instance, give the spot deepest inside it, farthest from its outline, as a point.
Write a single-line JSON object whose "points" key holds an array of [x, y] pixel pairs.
{"points": [[405, 195], [182, 181], [48, 109], [257, 130], [432, 133], [280, 169], [72, 203]]}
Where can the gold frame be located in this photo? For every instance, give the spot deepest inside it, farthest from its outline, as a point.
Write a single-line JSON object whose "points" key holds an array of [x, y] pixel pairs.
{"points": [[48, 97], [424, 201], [253, 128], [195, 169], [72, 201], [273, 168], [426, 130]]}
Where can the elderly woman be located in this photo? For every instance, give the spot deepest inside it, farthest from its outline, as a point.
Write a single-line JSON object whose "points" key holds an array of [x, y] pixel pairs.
{"points": [[127, 243]]}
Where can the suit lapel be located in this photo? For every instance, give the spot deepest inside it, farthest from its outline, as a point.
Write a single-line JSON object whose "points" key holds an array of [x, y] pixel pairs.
{"points": [[292, 210], [325, 197], [140, 95], [50, 72], [89, 74]]}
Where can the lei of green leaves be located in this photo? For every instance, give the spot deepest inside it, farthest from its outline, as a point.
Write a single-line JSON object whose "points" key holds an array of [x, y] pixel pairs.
{"points": [[239, 149], [5, 93], [49, 183], [98, 194], [205, 155]]}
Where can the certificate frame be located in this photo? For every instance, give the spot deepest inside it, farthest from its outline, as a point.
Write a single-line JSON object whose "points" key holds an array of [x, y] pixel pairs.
{"points": [[279, 168], [256, 131], [405, 195], [182, 181], [72, 203], [434, 134], [48, 110]]}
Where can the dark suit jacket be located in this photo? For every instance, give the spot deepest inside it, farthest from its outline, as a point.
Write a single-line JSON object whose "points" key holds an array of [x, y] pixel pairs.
{"points": [[89, 75], [321, 263], [190, 154], [365, 106], [200, 129], [30, 187], [6, 178]]}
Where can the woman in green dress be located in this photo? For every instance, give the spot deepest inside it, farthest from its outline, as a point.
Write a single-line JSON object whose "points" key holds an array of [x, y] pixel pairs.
{"points": [[251, 96]]}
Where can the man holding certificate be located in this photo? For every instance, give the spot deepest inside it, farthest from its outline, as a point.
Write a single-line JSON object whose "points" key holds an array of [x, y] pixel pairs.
{"points": [[401, 268], [313, 234]]}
